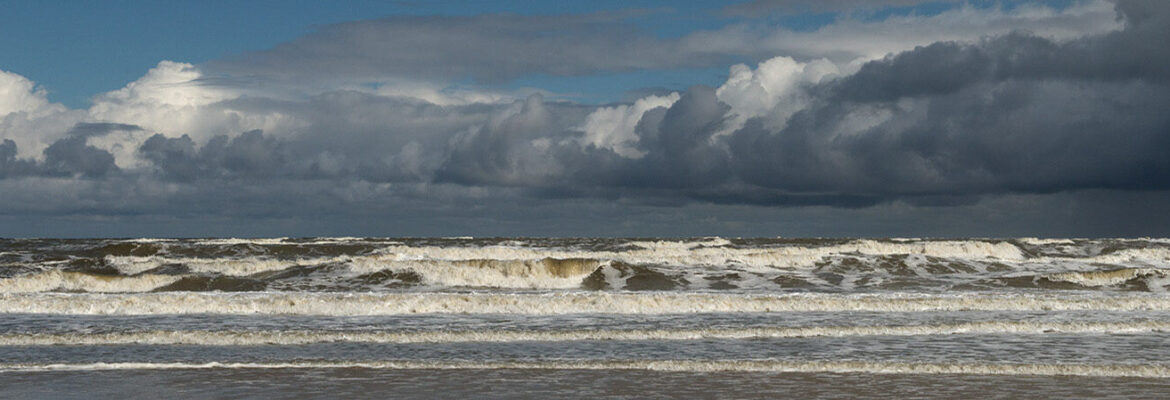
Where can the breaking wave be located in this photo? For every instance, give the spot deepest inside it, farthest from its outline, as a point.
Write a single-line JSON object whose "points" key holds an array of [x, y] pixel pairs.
{"points": [[67, 281], [717, 253], [394, 303], [1151, 278], [545, 273], [760, 265], [708, 253], [1126, 279]]}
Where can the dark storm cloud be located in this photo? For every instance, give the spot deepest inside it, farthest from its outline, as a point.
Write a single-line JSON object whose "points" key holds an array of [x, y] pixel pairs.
{"points": [[176, 158], [678, 147], [10, 165], [678, 140], [71, 156], [938, 124], [249, 155], [947, 67], [507, 150], [1011, 114], [532, 148]]}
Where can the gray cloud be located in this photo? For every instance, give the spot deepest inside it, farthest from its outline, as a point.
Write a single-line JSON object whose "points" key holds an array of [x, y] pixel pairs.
{"points": [[176, 158], [950, 125], [490, 48], [124, 207], [96, 129], [508, 149], [249, 155], [71, 156], [1013, 114], [941, 124], [679, 154], [10, 165], [496, 48], [348, 136], [1010, 114], [758, 8]]}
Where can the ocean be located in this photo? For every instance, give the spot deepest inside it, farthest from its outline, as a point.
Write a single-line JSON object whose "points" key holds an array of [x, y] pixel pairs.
{"points": [[584, 318]]}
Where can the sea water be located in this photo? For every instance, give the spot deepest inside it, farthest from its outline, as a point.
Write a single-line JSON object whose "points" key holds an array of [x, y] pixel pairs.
{"points": [[637, 318]]}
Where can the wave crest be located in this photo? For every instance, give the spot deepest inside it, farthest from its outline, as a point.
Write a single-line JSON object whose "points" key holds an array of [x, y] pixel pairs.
{"points": [[360, 304], [68, 281]]}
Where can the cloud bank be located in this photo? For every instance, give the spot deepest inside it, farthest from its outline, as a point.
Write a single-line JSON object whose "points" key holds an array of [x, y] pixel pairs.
{"points": [[954, 122]]}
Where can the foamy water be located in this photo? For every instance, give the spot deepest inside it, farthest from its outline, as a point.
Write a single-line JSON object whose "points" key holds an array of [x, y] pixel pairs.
{"points": [[654, 365], [295, 337], [907, 307]]}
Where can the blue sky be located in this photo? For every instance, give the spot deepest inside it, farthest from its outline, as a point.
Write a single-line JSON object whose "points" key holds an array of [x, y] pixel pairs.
{"points": [[77, 49]]}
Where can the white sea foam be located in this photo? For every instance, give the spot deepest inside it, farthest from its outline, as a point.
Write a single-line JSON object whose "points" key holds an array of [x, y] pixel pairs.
{"points": [[707, 253], [1149, 256], [508, 266], [345, 304], [55, 280], [235, 241], [677, 256], [250, 338], [874, 367], [131, 265], [1108, 278], [151, 240], [338, 240], [1040, 242], [711, 254], [681, 244], [545, 273]]}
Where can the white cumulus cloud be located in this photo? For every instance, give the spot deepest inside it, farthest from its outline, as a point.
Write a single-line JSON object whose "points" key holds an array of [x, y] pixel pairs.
{"points": [[774, 90], [28, 118], [613, 127]]}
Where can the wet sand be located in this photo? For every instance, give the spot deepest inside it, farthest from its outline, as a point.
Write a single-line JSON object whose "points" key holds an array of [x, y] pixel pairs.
{"points": [[562, 384]]}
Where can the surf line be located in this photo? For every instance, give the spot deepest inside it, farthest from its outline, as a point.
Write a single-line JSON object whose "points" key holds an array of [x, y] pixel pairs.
{"points": [[250, 338]]}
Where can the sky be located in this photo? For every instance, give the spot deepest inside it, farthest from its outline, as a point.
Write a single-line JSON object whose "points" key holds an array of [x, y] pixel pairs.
{"points": [[764, 118]]}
